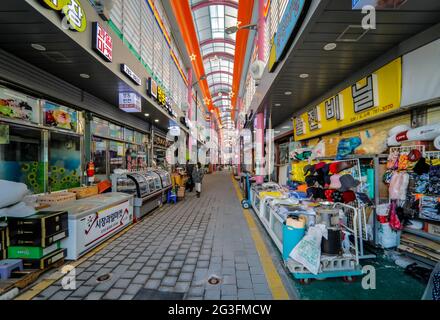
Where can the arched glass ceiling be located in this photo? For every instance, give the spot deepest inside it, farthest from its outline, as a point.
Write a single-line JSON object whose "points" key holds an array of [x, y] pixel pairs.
{"points": [[211, 18]]}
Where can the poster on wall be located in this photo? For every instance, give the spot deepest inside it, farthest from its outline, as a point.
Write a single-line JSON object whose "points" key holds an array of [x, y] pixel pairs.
{"points": [[98, 226], [64, 162], [18, 106], [59, 117], [371, 97]]}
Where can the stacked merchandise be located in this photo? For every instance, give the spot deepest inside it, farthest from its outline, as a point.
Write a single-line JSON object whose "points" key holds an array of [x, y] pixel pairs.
{"points": [[414, 210], [36, 239], [313, 226], [335, 182]]}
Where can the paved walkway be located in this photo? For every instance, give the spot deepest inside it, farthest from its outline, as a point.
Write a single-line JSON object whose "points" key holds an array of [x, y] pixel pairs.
{"points": [[177, 249]]}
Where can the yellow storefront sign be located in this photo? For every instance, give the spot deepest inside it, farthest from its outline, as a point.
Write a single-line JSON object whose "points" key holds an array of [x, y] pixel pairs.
{"points": [[374, 96]]}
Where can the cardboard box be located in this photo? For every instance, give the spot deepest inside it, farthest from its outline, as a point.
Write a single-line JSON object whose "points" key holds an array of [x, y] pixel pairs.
{"points": [[181, 192], [39, 230], [46, 261], [18, 252], [433, 229]]}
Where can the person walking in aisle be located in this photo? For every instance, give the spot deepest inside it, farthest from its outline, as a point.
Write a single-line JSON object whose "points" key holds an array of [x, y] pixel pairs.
{"points": [[189, 171], [197, 176]]}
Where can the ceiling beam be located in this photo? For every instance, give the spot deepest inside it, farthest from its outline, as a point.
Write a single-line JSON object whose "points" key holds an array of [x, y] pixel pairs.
{"points": [[212, 41], [183, 14], [207, 3], [219, 71], [219, 54], [245, 10]]}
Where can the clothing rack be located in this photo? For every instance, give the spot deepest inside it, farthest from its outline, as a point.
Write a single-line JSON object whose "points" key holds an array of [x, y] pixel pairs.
{"points": [[361, 227], [407, 149], [429, 155]]}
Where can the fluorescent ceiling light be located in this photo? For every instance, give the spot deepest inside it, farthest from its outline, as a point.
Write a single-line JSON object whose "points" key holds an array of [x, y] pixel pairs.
{"points": [[288, 93], [330, 46], [38, 47], [304, 75], [85, 75]]}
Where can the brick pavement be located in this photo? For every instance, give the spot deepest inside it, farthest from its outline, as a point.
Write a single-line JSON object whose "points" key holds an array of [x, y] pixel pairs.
{"points": [[176, 249]]}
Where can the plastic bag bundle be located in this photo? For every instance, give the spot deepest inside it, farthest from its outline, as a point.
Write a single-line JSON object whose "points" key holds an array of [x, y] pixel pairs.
{"points": [[11, 192], [308, 250], [347, 147]]}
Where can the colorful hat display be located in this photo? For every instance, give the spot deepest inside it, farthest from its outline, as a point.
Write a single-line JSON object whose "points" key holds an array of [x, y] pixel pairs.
{"points": [[334, 181], [339, 166], [348, 196], [348, 182]]}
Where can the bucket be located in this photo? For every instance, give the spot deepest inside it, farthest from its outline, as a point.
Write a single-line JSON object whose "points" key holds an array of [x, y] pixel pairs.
{"points": [[332, 245], [291, 237]]}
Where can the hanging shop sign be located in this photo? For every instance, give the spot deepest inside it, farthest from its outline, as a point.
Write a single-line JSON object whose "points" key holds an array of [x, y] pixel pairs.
{"points": [[152, 88], [130, 102], [59, 116], [421, 81], [15, 105], [102, 42], [72, 12], [100, 225], [54, 4], [373, 96], [291, 20], [162, 142], [129, 73], [174, 130], [161, 96]]}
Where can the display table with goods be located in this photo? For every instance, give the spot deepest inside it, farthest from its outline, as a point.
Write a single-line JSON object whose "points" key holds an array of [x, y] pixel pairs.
{"points": [[30, 236], [93, 220], [411, 219], [149, 188], [320, 228]]}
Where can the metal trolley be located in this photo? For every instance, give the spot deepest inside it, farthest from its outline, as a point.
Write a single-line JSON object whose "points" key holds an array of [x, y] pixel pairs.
{"points": [[344, 266]]}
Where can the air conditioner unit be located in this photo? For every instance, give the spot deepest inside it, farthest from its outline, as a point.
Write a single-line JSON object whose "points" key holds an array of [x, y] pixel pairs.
{"points": [[103, 8], [257, 70]]}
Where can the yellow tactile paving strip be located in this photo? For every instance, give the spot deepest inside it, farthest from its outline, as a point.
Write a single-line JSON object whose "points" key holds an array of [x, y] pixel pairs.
{"points": [[273, 278]]}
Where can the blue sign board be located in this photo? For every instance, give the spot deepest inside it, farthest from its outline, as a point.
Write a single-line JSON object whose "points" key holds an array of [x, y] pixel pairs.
{"points": [[287, 25]]}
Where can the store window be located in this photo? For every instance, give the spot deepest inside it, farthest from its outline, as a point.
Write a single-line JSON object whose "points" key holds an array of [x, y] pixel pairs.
{"points": [[21, 157], [116, 131], [99, 156], [116, 155], [100, 127], [128, 135], [18, 106], [131, 156], [64, 161]]}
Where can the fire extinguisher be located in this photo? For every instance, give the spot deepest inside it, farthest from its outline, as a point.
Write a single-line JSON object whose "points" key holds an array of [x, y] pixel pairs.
{"points": [[90, 171]]}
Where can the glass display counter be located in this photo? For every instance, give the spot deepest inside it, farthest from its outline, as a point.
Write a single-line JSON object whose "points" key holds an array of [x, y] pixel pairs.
{"points": [[149, 187]]}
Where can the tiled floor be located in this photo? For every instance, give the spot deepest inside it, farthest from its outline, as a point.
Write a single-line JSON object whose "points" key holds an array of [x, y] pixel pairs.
{"points": [[177, 249]]}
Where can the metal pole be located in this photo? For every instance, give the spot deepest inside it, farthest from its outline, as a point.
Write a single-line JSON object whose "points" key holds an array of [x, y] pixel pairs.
{"points": [[197, 130]]}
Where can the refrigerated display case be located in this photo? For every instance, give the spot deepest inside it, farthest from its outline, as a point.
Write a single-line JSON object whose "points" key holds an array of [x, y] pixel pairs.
{"points": [[146, 186], [164, 177]]}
